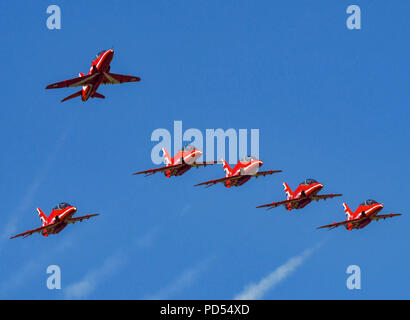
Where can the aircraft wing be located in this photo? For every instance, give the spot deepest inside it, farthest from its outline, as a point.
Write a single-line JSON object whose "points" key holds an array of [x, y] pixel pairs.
{"points": [[162, 169], [76, 82], [204, 164], [343, 223], [79, 219], [280, 203], [233, 178], [214, 182], [325, 196], [285, 202], [30, 232], [377, 217], [265, 173], [112, 78]]}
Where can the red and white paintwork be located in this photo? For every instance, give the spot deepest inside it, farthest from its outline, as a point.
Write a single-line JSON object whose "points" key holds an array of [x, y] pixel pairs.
{"points": [[241, 173], [59, 218], [302, 196], [97, 75], [184, 160], [364, 214]]}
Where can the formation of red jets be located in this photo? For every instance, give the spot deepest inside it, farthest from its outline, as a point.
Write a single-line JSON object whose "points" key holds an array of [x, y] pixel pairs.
{"points": [[245, 169], [185, 159]]}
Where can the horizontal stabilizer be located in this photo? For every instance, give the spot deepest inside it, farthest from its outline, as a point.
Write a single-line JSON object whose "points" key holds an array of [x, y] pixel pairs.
{"points": [[77, 94], [98, 95]]}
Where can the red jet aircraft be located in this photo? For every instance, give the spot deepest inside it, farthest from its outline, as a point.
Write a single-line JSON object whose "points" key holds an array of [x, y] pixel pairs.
{"points": [[58, 219], [184, 160], [241, 173], [98, 74], [301, 197], [364, 214]]}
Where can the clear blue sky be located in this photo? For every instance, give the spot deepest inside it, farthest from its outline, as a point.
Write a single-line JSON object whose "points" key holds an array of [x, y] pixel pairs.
{"points": [[331, 104]]}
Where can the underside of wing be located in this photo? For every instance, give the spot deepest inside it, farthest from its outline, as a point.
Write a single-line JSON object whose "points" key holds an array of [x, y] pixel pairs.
{"points": [[354, 222], [265, 173], [233, 178], [384, 216], [79, 219], [162, 169], [325, 196], [30, 232], [112, 78], [204, 164], [280, 203], [213, 182], [291, 201], [76, 82]]}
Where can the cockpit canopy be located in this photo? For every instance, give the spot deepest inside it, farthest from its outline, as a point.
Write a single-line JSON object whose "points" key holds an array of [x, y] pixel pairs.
{"points": [[309, 181], [61, 206], [368, 202], [100, 53], [248, 159]]}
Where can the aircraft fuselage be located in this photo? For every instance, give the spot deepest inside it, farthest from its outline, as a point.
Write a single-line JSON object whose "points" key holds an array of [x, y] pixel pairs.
{"points": [[98, 66]]}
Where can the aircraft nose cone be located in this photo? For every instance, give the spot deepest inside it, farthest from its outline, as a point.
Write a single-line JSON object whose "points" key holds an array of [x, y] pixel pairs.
{"points": [[109, 55]]}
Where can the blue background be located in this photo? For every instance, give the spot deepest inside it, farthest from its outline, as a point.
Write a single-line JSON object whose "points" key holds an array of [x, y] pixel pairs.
{"points": [[331, 104]]}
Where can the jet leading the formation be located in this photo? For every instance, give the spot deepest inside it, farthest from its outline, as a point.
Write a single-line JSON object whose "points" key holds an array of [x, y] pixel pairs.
{"points": [[99, 74], [241, 173], [364, 214], [59, 218], [184, 160], [301, 197]]}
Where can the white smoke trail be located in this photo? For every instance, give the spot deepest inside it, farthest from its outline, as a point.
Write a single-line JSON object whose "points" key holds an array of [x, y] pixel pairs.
{"points": [[257, 291]]}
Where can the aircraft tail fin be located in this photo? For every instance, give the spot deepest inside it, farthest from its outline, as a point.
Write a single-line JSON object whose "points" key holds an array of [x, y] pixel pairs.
{"points": [[42, 216], [98, 95], [77, 94], [288, 190], [226, 167], [349, 213], [167, 157]]}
